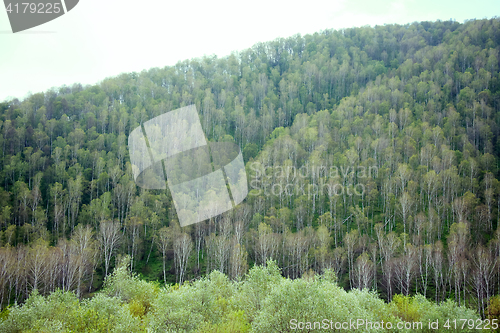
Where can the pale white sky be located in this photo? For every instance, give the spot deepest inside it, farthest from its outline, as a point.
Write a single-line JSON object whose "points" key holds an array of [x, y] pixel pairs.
{"points": [[98, 39]]}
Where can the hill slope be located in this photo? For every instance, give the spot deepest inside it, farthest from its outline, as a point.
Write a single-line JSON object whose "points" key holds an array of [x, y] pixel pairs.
{"points": [[371, 151]]}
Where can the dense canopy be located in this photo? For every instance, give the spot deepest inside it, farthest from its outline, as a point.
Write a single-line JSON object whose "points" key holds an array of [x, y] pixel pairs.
{"points": [[371, 153]]}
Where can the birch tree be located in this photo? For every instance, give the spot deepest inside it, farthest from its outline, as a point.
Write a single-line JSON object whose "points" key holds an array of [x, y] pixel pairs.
{"points": [[182, 249], [109, 237]]}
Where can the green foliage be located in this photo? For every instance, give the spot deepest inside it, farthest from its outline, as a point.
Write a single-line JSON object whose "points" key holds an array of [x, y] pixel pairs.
{"points": [[233, 322], [127, 286], [312, 300], [250, 151], [62, 312], [418, 309], [493, 311], [55, 311], [4, 313], [102, 314], [407, 310], [259, 281], [263, 301]]}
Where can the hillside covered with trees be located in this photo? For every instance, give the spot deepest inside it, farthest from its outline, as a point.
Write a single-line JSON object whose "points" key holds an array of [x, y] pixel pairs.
{"points": [[371, 153]]}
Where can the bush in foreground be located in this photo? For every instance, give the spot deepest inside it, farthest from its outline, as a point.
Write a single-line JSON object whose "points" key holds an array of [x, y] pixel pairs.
{"points": [[263, 301]]}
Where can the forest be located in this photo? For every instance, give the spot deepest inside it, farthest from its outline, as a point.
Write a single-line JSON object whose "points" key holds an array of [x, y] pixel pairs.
{"points": [[372, 161]]}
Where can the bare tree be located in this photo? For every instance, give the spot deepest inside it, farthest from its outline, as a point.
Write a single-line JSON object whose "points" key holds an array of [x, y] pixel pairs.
{"points": [[95, 260], [19, 268], [390, 245], [406, 268], [425, 258], [38, 255], [431, 183], [485, 269], [163, 239], [6, 271], [238, 261], [458, 241], [182, 249], [406, 203], [199, 235], [437, 267], [218, 251], [109, 237], [297, 246], [351, 242], [85, 246], [373, 254], [267, 244], [338, 260], [322, 254], [53, 274], [363, 271], [389, 272], [239, 231], [134, 226], [70, 263]]}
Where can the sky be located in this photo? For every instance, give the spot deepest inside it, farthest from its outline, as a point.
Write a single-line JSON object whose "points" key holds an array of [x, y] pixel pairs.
{"points": [[103, 38]]}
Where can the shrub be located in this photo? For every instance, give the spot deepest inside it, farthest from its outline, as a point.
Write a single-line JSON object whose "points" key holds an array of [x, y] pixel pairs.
{"points": [[130, 288], [55, 310], [312, 301], [257, 284], [233, 322]]}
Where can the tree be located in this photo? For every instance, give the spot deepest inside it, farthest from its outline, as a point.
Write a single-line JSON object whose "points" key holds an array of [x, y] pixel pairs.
{"points": [[23, 197], [199, 236], [6, 272], [458, 241], [322, 254], [297, 248], [267, 244], [182, 249], [218, 250], [405, 268], [424, 266], [86, 246], [163, 239], [38, 256], [134, 226], [390, 245], [485, 267], [363, 272], [57, 195], [351, 242], [238, 260], [406, 203], [437, 267], [74, 198], [109, 238]]}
